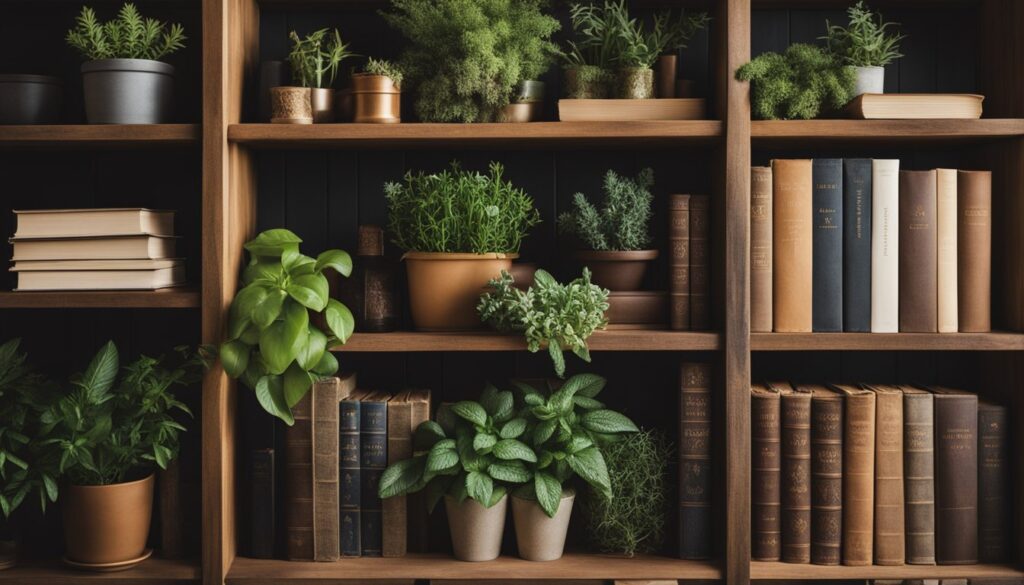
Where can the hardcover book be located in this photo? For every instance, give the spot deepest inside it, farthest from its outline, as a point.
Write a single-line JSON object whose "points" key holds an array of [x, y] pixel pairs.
{"points": [[62, 223], [373, 459], [889, 507], [956, 477], [919, 474], [298, 440], [792, 245], [827, 245], [260, 510], [858, 475], [700, 260], [761, 249], [679, 261], [401, 424], [796, 468], [826, 475], [695, 461], [857, 244], [885, 246], [766, 467], [945, 219], [326, 493], [918, 266], [350, 474], [993, 484], [974, 248]]}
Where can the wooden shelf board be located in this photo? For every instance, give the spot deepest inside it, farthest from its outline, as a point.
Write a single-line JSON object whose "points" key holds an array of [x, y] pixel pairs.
{"points": [[996, 341], [246, 571], [171, 298], [617, 340], [761, 570], [658, 133], [106, 135], [800, 132], [151, 572]]}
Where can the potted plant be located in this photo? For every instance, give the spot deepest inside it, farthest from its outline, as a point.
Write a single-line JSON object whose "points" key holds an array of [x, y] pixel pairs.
{"points": [[314, 61], [798, 84], [466, 57], [548, 313], [29, 99], [615, 235], [109, 436], [272, 345], [471, 457], [527, 105], [460, 229], [586, 65], [864, 45], [636, 52], [671, 36], [124, 79], [378, 92], [567, 430]]}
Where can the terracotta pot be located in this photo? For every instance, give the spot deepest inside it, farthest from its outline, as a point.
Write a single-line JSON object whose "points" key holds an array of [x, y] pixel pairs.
{"points": [[667, 67], [539, 537], [618, 270], [476, 530], [291, 105], [377, 99], [106, 524], [344, 105], [634, 83], [321, 100], [637, 310], [444, 288], [586, 82]]}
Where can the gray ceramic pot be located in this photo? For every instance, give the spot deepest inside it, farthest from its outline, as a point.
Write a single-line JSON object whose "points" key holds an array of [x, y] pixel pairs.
{"points": [[29, 99], [529, 91], [476, 530], [128, 91], [869, 80]]}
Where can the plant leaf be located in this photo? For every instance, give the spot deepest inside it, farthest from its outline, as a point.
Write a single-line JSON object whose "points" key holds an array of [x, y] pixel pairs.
{"points": [[548, 491], [99, 376], [590, 465], [327, 365], [588, 385], [513, 429], [607, 421], [398, 478], [427, 435], [483, 442], [511, 472], [273, 243], [339, 260], [313, 349], [479, 486], [311, 290], [509, 449], [268, 308], [440, 460], [339, 320], [234, 355], [270, 394], [281, 342], [470, 411], [543, 431], [296, 384]]}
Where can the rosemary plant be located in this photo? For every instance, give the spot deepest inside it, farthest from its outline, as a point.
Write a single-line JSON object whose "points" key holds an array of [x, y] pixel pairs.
{"points": [[129, 36], [865, 42], [315, 60]]}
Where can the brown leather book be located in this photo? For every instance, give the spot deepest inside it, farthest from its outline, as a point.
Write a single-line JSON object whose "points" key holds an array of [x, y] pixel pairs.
{"points": [[298, 509], [761, 249], [919, 276], [889, 522], [766, 467], [974, 250], [416, 507], [700, 261], [919, 475], [695, 470], [956, 477], [993, 485], [796, 471], [792, 213], [401, 425], [858, 475], [826, 475], [326, 530], [679, 261]]}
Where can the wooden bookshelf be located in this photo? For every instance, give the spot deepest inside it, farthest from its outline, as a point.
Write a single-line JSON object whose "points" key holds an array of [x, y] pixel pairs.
{"points": [[152, 572], [790, 572], [996, 341], [624, 340], [172, 298], [875, 132], [96, 135]]}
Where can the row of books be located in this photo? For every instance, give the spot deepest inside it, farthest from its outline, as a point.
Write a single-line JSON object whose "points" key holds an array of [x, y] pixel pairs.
{"points": [[688, 262], [95, 249], [878, 474], [860, 245]]}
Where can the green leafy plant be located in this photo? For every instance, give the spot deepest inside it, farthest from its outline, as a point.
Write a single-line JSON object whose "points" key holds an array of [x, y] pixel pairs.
{"points": [[596, 37], [272, 346], [466, 57], [638, 46], [568, 429], [459, 211], [864, 42], [562, 316], [798, 84], [385, 68], [315, 59], [633, 519], [129, 36], [621, 223], [672, 34]]}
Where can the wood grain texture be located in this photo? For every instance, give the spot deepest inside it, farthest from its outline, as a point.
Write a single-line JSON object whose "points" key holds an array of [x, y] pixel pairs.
{"points": [[616, 340], [151, 572], [997, 341], [159, 299], [847, 132], [107, 135], [760, 570]]}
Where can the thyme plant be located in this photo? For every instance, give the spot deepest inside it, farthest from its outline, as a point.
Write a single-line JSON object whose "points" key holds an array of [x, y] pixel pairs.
{"points": [[129, 36], [621, 222], [315, 60], [385, 68], [801, 83], [864, 42]]}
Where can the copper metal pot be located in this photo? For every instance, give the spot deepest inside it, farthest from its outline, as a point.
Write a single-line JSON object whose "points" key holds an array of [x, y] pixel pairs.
{"points": [[377, 99]]}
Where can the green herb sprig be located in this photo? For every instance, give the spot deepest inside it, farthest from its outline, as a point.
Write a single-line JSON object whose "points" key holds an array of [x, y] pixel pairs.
{"points": [[622, 220], [315, 59], [864, 42], [129, 36]]}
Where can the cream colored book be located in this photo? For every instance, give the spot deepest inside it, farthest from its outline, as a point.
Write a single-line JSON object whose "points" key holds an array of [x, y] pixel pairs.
{"points": [[631, 110], [93, 248], [916, 106], [885, 246], [39, 223], [101, 279], [947, 248], [34, 265]]}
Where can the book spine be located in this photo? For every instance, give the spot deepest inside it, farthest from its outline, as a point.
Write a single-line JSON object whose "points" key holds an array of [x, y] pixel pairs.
{"points": [[792, 223], [993, 500], [885, 246], [419, 522], [325, 470], [695, 461], [394, 516], [679, 261], [261, 504], [827, 245], [945, 219], [919, 477], [700, 256], [956, 479], [796, 469], [350, 477], [857, 244], [889, 508], [766, 459], [172, 535], [974, 241], [298, 441], [918, 265], [826, 480], [858, 479], [761, 249], [373, 460]]}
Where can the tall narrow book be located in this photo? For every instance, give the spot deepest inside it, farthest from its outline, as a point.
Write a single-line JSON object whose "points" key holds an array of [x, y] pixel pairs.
{"points": [[260, 510], [401, 424], [857, 244], [826, 475], [796, 469], [419, 526], [858, 475], [885, 246], [974, 241], [993, 484], [919, 301], [326, 490], [766, 468], [700, 260], [694, 461], [792, 245], [761, 249], [373, 438], [956, 477], [679, 261], [889, 520], [827, 245], [919, 474], [945, 220], [349, 473], [298, 440], [64, 223]]}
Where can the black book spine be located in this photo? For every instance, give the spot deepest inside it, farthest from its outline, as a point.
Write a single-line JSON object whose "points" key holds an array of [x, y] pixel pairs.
{"points": [[349, 496], [827, 245], [261, 504], [857, 244], [993, 498], [374, 459]]}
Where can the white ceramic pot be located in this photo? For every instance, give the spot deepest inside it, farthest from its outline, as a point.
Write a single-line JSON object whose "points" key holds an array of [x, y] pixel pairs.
{"points": [[869, 80], [539, 537]]}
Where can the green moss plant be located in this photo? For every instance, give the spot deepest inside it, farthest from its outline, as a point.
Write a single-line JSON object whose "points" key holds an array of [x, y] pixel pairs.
{"points": [[801, 83]]}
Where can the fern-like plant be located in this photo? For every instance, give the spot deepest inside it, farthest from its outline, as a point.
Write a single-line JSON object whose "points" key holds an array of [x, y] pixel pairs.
{"points": [[129, 36], [621, 222], [385, 68], [315, 59], [864, 42], [801, 83]]}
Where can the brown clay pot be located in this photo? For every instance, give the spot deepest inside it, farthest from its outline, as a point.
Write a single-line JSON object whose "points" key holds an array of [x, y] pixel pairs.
{"points": [[322, 102], [666, 87], [539, 537], [476, 530], [291, 105], [634, 83], [106, 524], [616, 270], [377, 99], [445, 288]]}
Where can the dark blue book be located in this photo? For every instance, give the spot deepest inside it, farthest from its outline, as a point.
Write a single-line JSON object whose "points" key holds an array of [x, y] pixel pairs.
{"points": [[827, 245], [349, 496], [857, 244], [373, 438]]}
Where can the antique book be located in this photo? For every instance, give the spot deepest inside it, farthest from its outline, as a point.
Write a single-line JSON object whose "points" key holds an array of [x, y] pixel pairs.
{"points": [[700, 261], [401, 424], [93, 248], [679, 261], [631, 110], [766, 468], [919, 475], [260, 511], [826, 475], [993, 483], [885, 246], [791, 245], [915, 106], [761, 249], [100, 279], [416, 508], [695, 520], [945, 220], [373, 459], [298, 504], [956, 477], [349, 473], [827, 245], [974, 250], [889, 504], [327, 393], [858, 475], [796, 471], [918, 253], [62, 223], [857, 244]]}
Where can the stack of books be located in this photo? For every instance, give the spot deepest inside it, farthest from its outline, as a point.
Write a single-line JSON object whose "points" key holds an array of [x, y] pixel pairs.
{"points": [[96, 249], [689, 258]]}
